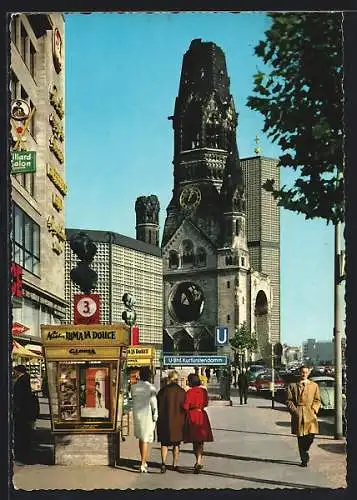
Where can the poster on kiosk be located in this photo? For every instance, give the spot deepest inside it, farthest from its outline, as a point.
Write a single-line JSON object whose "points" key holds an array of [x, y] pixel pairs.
{"points": [[85, 369]]}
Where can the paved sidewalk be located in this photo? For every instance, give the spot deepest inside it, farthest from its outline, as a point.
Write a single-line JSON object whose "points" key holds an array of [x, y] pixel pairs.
{"points": [[253, 448]]}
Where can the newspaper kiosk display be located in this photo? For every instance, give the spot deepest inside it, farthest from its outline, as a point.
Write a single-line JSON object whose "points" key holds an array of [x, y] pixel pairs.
{"points": [[86, 367], [138, 356]]}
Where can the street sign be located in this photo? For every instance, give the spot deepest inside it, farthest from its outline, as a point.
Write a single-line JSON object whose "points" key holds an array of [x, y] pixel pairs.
{"points": [[140, 355], [86, 309], [221, 336], [177, 360], [23, 162]]}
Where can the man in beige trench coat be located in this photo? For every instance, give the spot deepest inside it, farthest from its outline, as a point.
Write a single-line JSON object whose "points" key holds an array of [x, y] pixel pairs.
{"points": [[303, 402]]}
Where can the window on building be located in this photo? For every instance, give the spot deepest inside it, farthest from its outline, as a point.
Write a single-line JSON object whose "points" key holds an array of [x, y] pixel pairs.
{"points": [[32, 59], [229, 260], [23, 43], [13, 85], [201, 257], [228, 317], [13, 29], [173, 259], [26, 241], [228, 284], [187, 252], [243, 261]]}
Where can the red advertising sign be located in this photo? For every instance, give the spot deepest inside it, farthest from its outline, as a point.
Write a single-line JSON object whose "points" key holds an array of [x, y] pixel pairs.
{"points": [[86, 309], [134, 335], [16, 274], [18, 328]]}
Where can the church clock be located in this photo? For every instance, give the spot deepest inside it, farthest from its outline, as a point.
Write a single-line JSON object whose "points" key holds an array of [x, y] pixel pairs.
{"points": [[190, 197]]}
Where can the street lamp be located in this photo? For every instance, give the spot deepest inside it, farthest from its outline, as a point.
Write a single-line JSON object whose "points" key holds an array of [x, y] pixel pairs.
{"points": [[339, 277]]}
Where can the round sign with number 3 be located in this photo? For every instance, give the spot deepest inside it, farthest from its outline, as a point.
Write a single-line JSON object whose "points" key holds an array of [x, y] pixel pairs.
{"points": [[86, 307]]}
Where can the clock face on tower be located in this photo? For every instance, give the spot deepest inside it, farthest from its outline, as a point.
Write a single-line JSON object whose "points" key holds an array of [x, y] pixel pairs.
{"points": [[190, 197]]}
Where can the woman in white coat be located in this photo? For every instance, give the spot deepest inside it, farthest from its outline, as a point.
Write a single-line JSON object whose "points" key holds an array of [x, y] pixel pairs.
{"points": [[145, 413]]}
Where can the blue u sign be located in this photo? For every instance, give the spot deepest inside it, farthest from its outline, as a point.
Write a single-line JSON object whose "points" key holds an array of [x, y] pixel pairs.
{"points": [[221, 337]]}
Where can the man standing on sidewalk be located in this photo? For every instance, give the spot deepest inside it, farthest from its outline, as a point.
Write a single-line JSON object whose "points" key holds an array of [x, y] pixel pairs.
{"points": [[243, 386], [303, 402]]}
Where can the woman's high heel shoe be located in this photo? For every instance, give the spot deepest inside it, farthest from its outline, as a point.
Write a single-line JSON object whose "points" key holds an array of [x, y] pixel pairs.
{"points": [[197, 468], [143, 467]]}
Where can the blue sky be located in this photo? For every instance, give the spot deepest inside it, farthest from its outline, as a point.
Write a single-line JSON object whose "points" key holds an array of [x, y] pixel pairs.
{"points": [[122, 77]]}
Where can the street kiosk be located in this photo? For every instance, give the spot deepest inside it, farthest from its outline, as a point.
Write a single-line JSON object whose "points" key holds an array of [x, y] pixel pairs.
{"points": [[86, 367]]}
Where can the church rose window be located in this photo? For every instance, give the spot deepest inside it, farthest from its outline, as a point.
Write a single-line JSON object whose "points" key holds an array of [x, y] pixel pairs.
{"points": [[186, 302]]}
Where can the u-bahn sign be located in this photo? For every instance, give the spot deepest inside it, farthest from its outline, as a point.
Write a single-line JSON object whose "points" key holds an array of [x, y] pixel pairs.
{"points": [[177, 360], [221, 336]]}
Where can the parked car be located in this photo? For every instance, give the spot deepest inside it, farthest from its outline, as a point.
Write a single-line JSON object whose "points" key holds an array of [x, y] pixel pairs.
{"points": [[264, 380], [327, 391], [254, 370]]}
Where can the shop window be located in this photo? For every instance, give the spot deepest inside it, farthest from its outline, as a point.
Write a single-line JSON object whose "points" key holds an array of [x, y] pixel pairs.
{"points": [[84, 395], [26, 241]]}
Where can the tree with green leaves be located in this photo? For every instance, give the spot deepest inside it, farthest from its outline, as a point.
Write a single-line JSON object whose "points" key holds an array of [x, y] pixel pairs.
{"points": [[242, 341], [301, 98]]}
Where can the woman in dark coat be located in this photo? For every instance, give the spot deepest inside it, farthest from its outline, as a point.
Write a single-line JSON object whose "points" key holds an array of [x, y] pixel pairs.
{"points": [[171, 419], [198, 427]]}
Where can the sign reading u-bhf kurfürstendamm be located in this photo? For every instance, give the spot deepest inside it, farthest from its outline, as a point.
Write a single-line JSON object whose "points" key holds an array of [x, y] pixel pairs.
{"points": [[109, 335]]}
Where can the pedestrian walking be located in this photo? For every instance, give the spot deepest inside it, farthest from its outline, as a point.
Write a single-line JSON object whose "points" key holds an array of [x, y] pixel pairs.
{"points": [[26, 410], [208, 373], [303, 402], [243, 386], [171, 418], [203, 378], [224, 385], [197, 428], [144, 413]]}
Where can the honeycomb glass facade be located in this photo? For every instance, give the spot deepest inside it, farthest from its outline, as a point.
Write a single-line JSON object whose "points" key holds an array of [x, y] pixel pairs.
{"points": [[123, 265], [263, 224]]}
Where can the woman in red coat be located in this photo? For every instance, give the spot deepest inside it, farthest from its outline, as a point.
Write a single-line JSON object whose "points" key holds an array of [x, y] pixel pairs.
{"points": [[197, 428]]}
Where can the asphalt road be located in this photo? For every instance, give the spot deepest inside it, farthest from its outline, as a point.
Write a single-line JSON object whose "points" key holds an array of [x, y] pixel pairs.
{"points": [[253, 448]]}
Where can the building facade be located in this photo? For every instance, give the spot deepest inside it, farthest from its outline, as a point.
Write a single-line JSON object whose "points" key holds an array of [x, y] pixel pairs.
{"points": [[263, 224], [291, 354], [37, 172], [209, 278], [321, 352], [123, 265]]}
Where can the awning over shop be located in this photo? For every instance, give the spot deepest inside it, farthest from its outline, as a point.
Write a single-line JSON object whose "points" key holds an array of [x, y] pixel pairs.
{"points": [[35, 348], [22, 352]]}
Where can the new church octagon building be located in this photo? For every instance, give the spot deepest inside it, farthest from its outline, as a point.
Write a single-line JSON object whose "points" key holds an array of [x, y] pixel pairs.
{"points": [[216, 271]]}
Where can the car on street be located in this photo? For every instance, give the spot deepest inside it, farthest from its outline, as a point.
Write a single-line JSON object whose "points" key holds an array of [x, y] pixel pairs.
{"points": [[263, 382], [327, 391], [254, 370]]}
